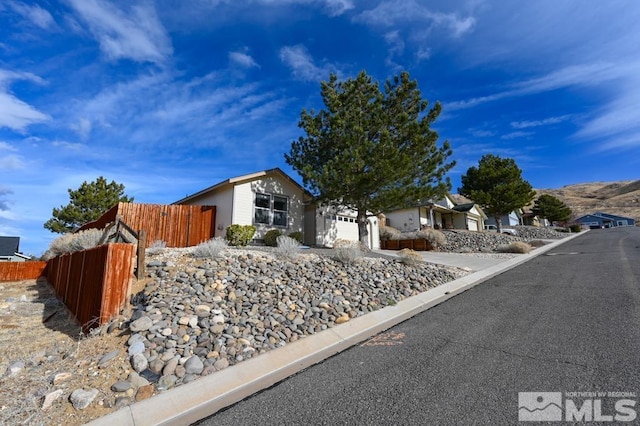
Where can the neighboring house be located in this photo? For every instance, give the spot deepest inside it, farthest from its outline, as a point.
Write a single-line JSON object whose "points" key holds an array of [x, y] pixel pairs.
{"points": [[531, 219], [605, 220], [9, 250], [440, 214], [271, 199], [512, 219]]}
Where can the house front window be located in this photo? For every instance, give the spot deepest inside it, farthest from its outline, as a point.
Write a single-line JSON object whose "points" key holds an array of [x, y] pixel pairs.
{"points": [[271, 210]]}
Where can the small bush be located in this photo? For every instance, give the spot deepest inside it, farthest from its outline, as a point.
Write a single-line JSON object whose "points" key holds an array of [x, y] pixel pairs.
{"points": [[435, 238], [69, 243], [406, 236], [575, 227], [156, 247], [347, 251], [515, 247], [296, 236], [271, 237], [240, 235], [388, 233], [211, 248], [287, 247], [409, 257]]}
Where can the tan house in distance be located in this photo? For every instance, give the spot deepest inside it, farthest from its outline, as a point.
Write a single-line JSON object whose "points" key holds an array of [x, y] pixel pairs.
{"points": [[442, 214]]}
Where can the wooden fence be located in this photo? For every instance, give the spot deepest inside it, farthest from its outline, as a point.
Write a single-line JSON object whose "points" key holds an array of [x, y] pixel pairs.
{"points": [[18, 271], [418, 245], [94, 284], [176, 225]]}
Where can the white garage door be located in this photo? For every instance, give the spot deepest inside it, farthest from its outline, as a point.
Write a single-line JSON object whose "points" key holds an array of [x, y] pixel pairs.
{"points": [[472, 224]]}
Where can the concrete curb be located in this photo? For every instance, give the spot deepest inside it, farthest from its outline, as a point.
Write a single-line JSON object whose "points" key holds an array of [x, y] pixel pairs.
{"points": [[207, 395]]}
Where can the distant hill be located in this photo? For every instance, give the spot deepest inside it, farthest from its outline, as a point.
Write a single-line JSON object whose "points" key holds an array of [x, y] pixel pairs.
{"points": [[620, 198]]}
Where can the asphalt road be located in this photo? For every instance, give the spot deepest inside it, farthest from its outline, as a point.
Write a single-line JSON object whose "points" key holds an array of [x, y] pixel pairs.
{"points": [[567, 321]]}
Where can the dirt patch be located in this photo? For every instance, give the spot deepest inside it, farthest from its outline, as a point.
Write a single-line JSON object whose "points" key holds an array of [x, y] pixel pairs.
{"points": [[39, 338]]}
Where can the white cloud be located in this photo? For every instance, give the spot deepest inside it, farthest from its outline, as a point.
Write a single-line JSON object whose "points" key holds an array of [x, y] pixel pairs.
{"points": [[515, 135], [479, 133], [301, 63], [17, 114], [538, 123], [136, 34], [4, 146], [35, 14], [82, 127], [574, 75], [400, 12], [243, 59], [11, 162], [4, 204]]}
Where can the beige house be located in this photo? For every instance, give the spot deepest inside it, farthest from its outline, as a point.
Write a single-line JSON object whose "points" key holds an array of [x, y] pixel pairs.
{"points": [[441, 214], [271, 199]]}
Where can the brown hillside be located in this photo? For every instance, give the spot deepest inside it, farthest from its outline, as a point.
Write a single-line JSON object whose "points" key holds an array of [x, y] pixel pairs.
{"points": [[620, 198]]}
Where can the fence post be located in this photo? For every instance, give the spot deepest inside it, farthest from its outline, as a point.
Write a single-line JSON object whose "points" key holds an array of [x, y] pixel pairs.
{"points": [[142, 245]]}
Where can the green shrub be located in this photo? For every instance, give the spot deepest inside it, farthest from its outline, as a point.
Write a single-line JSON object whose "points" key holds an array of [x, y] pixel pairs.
{"points": [[271, 237], [240, 235], [296, 236], [575, 227]]}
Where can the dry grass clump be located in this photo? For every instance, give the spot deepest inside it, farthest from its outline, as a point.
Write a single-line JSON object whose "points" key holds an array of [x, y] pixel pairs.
{"points": [[287, 247], [72, 242], [211, 248], [435, 237], [537, 243], [515, 247], [156, 247], [347, 251], [389, 233], [409, 257]]}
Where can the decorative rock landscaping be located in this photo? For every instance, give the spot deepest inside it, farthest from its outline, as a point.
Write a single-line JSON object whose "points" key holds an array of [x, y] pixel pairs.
{"points": [[459, 241], [198, 316]]}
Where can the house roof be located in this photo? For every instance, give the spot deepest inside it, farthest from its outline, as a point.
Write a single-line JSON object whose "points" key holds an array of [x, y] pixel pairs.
{"points": [[605, 216], [9, 245], [244, 178]]}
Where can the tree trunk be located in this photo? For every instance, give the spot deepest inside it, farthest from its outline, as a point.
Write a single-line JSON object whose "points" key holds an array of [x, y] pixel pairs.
{"points": [[498, 224], [363, 229]]}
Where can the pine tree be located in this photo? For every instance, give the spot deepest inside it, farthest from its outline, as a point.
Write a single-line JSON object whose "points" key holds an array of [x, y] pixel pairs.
{"points": [[551, 208], [87, 203], [497, 186], [371, 150]]}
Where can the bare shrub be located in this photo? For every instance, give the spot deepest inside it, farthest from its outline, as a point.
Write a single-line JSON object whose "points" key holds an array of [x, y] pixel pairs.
{"points": [[515, 247], [287, 247], [211, 248], [388, 233], [407, 236], [435, 237], [347, 251], [537, 243], [409, 257], [156, 247], [69, 243]]}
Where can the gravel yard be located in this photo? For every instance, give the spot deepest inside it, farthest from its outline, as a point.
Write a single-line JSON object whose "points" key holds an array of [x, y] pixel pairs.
{"points": [[192, 317]]}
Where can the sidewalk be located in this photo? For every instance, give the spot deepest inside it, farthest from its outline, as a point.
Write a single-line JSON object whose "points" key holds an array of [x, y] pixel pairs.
{"points": [[201, 398], [469, 262]]}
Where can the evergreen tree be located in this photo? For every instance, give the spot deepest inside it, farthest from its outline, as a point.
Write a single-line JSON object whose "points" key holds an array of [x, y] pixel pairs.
{"points": [[551, 208], [371, 150], [87, 203], [497, 186]]}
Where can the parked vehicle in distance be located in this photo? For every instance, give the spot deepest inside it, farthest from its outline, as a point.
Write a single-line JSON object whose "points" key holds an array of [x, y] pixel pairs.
{"points": [[493, 228]]}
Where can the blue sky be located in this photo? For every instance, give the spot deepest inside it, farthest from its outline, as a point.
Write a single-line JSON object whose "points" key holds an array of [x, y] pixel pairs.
{"points": [[171, 96]]}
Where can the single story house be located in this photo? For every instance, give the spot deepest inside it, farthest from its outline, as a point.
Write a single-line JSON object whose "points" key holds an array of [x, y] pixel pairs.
{"points": [[514, 218], [9, 250], [440, 214], [605, 220], [271, 199]]}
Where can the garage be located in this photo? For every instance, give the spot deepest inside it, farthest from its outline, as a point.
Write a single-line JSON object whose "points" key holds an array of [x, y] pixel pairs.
{"points": [[472, 224]]}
